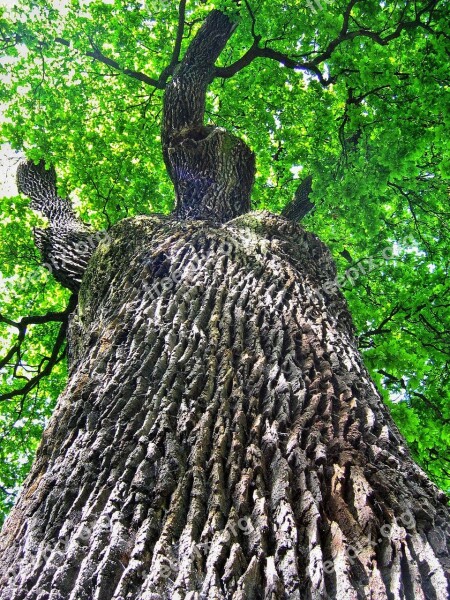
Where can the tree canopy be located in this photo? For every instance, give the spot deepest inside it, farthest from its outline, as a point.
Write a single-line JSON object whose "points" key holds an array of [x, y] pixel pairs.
{"points": [[352, 96]]}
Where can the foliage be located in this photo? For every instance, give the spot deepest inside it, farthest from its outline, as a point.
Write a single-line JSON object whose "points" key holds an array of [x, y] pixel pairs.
{"points": [[356, 94]]}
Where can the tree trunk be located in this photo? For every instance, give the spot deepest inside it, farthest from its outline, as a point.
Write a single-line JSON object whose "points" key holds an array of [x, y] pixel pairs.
{"points": [[219, 436], [212, 170]]}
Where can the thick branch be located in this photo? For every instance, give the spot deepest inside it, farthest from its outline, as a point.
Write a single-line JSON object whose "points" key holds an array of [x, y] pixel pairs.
{"points": [[257, 52], [49, 317], [184, 100], [212, 170], [67, 244], [300, 205]]}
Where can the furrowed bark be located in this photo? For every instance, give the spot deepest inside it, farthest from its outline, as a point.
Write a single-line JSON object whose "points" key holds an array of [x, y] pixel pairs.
{"points": [[219, 436], [212, 170], [66, 245]]}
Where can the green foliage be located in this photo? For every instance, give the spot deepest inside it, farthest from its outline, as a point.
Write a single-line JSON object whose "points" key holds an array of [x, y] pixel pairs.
{"points": [[381, 202], [25, 288]]}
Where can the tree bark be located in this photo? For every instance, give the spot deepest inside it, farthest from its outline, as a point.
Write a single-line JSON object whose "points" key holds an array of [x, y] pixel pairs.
{"points": [[300, 205], [67, 244], [219, 436], [212, 170]]}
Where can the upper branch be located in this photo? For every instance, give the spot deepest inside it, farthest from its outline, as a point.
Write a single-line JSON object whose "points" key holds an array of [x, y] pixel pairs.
{"points": [[255, 51], [97, 55], [184, 100], [312, 65], [212, 171], [180, 31], [49, 317], [300, 205]]}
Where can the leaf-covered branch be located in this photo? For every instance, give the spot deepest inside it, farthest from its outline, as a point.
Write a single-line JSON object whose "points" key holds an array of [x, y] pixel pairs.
{"points": [[15, 39], [256, 51], [345, 35], [97, 55], [380, 329]]}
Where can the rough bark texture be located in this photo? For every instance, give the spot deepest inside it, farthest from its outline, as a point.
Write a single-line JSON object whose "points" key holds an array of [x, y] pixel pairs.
{"points": [[219, 436], [66, 245], [212, 170]]}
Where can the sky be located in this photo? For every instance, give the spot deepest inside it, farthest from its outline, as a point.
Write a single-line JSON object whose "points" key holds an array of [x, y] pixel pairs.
{"points": [[8, 158], [8, 165]]}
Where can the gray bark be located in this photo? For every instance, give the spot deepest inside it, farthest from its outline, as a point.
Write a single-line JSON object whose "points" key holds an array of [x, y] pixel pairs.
{"points": [[219, 436], [212, 170], [66, 245]]}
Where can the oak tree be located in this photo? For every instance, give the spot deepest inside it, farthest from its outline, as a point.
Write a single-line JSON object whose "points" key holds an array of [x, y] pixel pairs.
{"points": [[219, 435]]}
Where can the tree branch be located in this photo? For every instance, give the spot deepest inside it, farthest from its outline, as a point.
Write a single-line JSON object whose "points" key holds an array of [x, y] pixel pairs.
{"points": [[97, 55], [184, 100], [381, 327], [311, 66], [100, 57], [255, 51], [180, 30], [51, 360], [300, 205], [67, 244], [35, 319], [431, 405], [252, 17]]}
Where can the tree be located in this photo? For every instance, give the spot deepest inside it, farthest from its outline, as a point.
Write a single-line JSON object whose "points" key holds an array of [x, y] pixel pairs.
{"points": [[219, 435]]}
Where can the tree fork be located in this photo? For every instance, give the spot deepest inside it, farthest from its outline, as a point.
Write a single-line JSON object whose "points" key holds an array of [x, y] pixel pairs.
{"points": [[212, 170]]}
